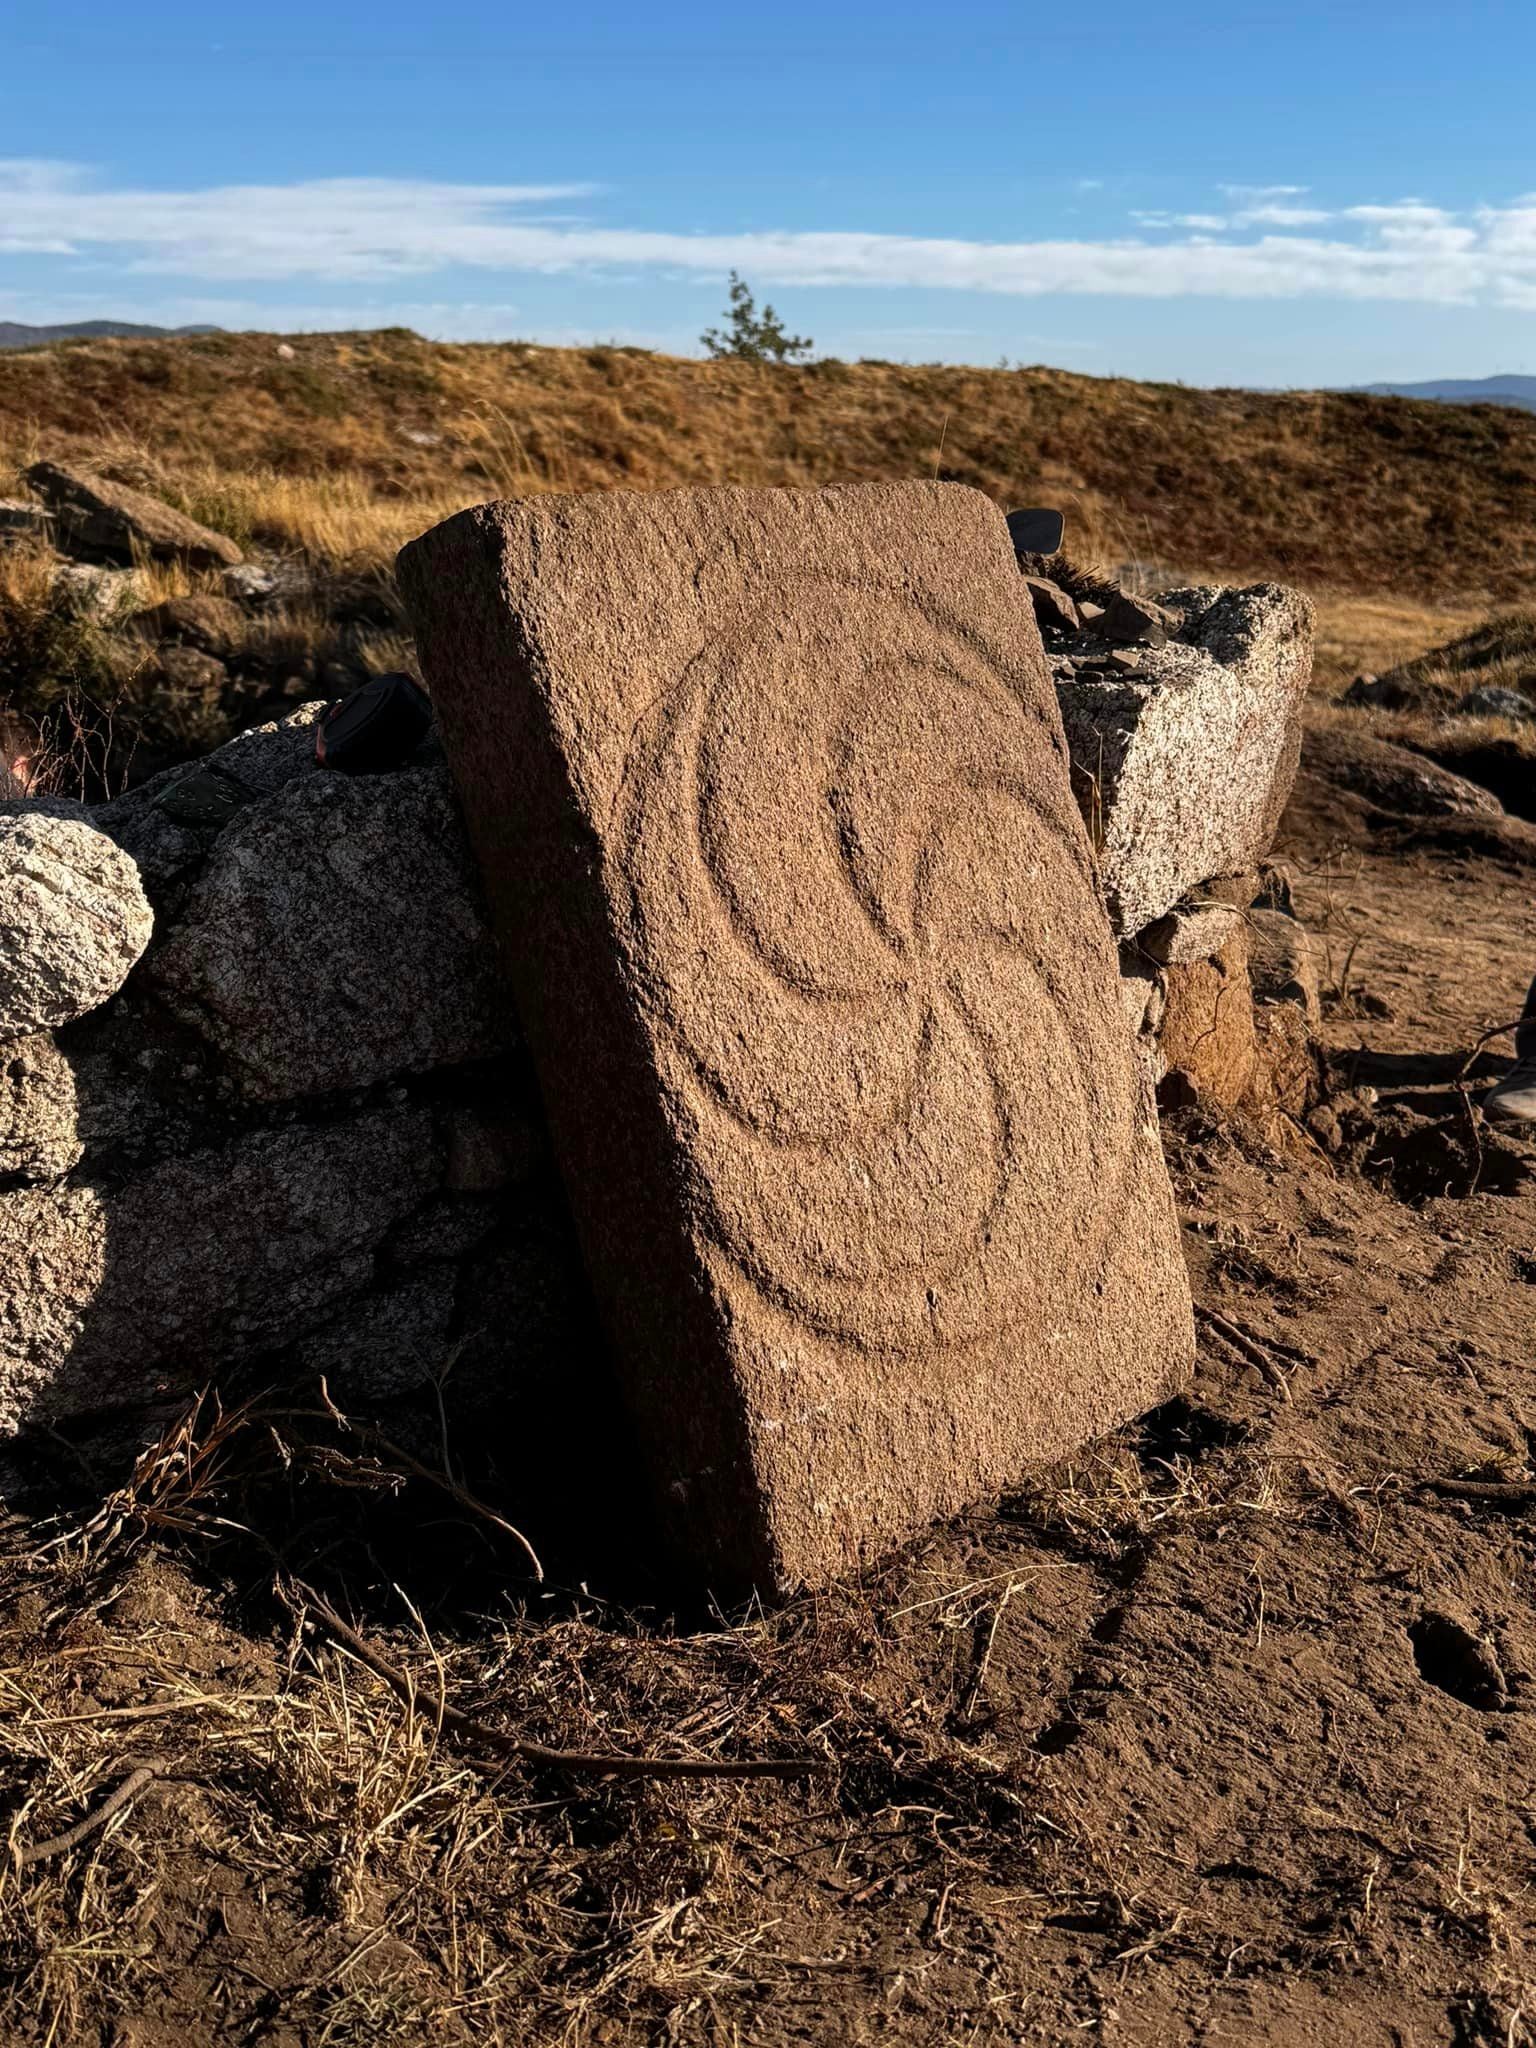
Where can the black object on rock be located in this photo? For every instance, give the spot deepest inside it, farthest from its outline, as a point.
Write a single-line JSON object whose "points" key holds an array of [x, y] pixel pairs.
{"points": [[205, 799], [376, 728], [1036, 531]]}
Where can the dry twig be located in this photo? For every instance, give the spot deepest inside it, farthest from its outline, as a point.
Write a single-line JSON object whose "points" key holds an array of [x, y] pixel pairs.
{"points": [[593, 1763], [60, 1845]]}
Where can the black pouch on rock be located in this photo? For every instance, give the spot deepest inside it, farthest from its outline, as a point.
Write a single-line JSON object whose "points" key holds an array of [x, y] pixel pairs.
{"points": [[205, 799], [377, 728]]}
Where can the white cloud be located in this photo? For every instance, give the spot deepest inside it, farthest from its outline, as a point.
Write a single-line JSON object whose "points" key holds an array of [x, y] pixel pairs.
{"points": [[346, 232]]}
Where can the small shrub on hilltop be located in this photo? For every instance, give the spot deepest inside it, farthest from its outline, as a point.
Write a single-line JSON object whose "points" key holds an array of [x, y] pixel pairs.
{"points": [[752, 336]]}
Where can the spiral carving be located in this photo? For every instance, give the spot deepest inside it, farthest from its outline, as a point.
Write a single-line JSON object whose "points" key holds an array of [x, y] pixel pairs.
{"points": [[854, 897]]}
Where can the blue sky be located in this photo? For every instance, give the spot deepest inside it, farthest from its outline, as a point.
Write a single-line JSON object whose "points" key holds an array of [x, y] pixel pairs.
{"points": [[1248, 193]]}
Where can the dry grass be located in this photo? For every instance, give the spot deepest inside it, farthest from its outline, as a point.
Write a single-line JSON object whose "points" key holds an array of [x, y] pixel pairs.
{"points": [[361, 440], [296, 1824], [1500, 652]]}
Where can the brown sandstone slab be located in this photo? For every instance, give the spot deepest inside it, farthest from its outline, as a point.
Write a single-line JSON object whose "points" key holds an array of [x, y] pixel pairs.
{"points": [[771, 797]]}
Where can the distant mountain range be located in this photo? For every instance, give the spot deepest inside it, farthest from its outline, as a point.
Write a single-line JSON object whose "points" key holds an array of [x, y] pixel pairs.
{"points": [[16, 333], [1519, 391]]}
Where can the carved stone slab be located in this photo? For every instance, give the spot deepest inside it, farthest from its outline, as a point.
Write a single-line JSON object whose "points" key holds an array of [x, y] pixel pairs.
{"points": [[771, 797]]}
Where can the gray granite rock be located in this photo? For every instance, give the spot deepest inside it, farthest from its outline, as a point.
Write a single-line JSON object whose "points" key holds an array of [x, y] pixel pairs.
{"points": [[73, 919], [121, 1293], [1139, 621], [265, 759], [105, 595], [1192, 930], [1183, 769], [334, 938], [386, 1342], [39, 1114], [1494, 700]]}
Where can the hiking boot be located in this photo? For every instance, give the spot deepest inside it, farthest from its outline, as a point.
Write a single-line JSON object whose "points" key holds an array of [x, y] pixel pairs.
{"points": [[1515, 1095]]}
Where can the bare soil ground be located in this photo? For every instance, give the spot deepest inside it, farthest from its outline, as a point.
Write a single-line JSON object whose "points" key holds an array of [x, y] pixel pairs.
{"points": [[1224, 1732]]}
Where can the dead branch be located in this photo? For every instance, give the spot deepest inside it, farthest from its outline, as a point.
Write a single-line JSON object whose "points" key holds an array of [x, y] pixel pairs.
{"points": [[1267, 1356], [60, 1845], [1507, 1493]]}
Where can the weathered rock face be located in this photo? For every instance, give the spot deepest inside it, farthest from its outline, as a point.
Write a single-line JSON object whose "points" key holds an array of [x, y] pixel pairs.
{"points": [[281, 1144], [1282, 962], [1183, 765], [336, 899], [73, 920], [105, 518], [213, 625], [222, 1253], [39, 1124], [770, 796], [1207, 1029]]}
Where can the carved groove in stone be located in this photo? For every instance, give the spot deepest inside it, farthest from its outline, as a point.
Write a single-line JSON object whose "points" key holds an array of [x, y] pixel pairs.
{"points": [[916, 896]]}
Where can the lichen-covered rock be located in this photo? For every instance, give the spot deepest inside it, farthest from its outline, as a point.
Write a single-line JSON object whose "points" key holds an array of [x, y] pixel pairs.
{"points": [[114, 1295], [73, 919], [93, 513], [39, 1114], [334, 938], [1182, 769], [105, 596]]}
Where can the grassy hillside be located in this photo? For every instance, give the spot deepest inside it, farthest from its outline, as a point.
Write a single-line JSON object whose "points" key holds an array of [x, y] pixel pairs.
{"points": [[345, 445]]}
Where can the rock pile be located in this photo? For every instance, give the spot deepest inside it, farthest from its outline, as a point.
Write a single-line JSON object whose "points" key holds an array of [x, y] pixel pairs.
{"points": [[1183, 715], [255, 639], [300, 1132]]}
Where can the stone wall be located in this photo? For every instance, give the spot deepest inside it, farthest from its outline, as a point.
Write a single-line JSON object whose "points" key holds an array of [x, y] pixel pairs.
{"points": [[302, 1136]]}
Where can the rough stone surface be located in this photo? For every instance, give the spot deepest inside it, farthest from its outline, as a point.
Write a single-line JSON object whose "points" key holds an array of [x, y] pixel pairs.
{"points": [[770, 795], [262, 583], [20, 520], [1182, 771], [186, 675], [73, 920], [1207, 1026], [386, 1343], [105, 518], [265, 759], [1053, 607], [338, 897], [213, 625], [115, 1294], [1192, 930], [39, 1113], [1282, 962], [105, 595], [1394, 778], [1137, 620]]}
